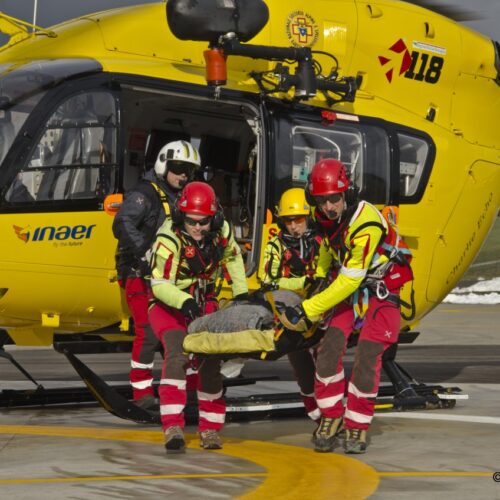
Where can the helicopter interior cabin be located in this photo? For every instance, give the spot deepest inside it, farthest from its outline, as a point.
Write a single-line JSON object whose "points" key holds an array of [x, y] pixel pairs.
{"points": [[220, 130]]}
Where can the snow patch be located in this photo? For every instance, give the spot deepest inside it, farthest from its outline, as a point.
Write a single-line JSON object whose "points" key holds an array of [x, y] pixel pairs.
{"points": [[481, 292]]}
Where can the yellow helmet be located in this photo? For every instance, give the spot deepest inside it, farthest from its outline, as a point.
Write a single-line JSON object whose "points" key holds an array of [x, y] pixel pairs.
{"points": [[293, 202]]}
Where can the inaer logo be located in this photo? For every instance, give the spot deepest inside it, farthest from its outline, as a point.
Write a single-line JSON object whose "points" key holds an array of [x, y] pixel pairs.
{"points": [[398, 48], [49, 233], [22, 233]]}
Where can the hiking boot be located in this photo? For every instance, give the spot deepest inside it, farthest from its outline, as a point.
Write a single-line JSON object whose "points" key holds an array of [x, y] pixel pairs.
{"points": [[210, 440], [174, 440], [340, 434], [147, 402], [325, 437], [355, 441]]}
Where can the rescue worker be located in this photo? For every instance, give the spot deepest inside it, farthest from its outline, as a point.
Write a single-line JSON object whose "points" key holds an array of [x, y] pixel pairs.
{"points": [[374, 265], [190, 251], [143, 211], [290, 259]]}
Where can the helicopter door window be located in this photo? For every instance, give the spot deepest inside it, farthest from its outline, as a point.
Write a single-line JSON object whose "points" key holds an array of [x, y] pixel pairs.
{"points": [[75, 157], [311, 145], [413, 154], [362, 148]]}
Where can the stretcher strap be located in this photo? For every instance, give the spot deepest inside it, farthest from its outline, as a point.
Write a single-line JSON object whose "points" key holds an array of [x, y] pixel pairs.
{"points": [[277, 331]]}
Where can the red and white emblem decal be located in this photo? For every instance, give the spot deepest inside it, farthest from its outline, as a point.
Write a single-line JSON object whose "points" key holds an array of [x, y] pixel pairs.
{"points": [[189, 252], [398, 48]]}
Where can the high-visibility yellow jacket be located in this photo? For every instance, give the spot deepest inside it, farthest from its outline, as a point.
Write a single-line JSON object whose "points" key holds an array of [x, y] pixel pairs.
{"points": [[357, 242], [172, 275]]}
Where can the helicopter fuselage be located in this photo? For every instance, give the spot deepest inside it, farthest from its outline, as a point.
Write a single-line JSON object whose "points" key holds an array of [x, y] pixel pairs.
{"points": [[84, 112]]}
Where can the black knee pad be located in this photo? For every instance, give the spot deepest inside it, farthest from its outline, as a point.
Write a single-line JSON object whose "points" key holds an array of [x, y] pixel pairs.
{"points": [[330, 351], [365, 360], [175, 358]]}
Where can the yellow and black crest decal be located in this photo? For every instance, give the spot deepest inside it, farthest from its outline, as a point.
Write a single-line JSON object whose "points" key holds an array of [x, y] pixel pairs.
{"points": [[301, 29]]}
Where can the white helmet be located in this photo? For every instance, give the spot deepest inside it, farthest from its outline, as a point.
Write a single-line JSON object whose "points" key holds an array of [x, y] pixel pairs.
{"points": [[176, 151]]}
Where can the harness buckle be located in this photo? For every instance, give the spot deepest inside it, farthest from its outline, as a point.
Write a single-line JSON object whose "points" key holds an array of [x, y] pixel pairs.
{"points": [[381, 290]]}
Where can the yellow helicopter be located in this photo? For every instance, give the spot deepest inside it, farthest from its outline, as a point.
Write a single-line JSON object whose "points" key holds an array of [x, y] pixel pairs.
{"points": [[407, 99]]}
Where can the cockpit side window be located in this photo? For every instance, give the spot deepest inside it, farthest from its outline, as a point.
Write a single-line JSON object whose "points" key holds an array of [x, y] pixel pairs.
{"points": [[75, 157], [12, 118]]}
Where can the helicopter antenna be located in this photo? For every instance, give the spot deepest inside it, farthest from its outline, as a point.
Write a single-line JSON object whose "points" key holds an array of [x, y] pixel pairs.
{"points": [[35, 7]]}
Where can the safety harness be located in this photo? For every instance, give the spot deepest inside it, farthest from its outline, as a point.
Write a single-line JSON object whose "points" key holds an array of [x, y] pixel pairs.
{"points": [[389, 268], [163, 197], [200, 262], [294, 260]]}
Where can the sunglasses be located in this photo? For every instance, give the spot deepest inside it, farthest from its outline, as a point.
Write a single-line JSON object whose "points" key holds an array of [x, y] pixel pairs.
{"points": [[180, 167], [202, 222], [332, 198], [299, 219]]}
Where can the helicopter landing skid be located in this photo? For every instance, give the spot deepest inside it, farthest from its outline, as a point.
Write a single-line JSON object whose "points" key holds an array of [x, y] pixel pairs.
{"points": [[402, 394]]}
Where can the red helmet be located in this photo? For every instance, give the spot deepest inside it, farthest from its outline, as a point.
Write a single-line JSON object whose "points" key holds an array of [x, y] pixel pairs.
{"points": [[328, 176], [197, 198]]}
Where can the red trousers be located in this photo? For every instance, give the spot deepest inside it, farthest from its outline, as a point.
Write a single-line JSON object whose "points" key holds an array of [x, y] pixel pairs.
{"points": [[170, 327], [303, 368], [380, 329], [145, 343]]}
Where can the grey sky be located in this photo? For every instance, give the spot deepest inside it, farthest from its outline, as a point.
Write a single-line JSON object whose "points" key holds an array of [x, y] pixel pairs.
{"points": [[54, 11], [51, 12]]}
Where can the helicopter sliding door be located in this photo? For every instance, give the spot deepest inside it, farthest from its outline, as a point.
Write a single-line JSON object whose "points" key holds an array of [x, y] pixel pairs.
{"points": [[389, 163]]}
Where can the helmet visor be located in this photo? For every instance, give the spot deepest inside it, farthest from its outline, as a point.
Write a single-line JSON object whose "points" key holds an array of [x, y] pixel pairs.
{"points": [[297, 219], [200, 222], [332, 198], [180, 167]]}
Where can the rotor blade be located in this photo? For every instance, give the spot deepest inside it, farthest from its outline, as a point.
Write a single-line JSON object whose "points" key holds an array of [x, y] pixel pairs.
{"points": [[454, 12]]}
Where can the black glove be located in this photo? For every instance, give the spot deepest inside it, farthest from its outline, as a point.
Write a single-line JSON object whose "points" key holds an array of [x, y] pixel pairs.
{"points": [[143, 267], [241, 297], [313, 286], [294, 318], [191, 309]]}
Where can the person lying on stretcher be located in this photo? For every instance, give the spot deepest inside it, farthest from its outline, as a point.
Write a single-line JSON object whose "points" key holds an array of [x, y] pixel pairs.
{"points": [[251, 329]]}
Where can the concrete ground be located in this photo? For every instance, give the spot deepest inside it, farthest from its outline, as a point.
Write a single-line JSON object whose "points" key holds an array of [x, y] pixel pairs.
{"points": [[83, 452]]}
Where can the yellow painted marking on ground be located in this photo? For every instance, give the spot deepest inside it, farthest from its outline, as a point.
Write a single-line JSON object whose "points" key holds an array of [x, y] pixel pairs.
{"points": [[453, 310], [80, 479], [434, 474], [287, 468]]}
